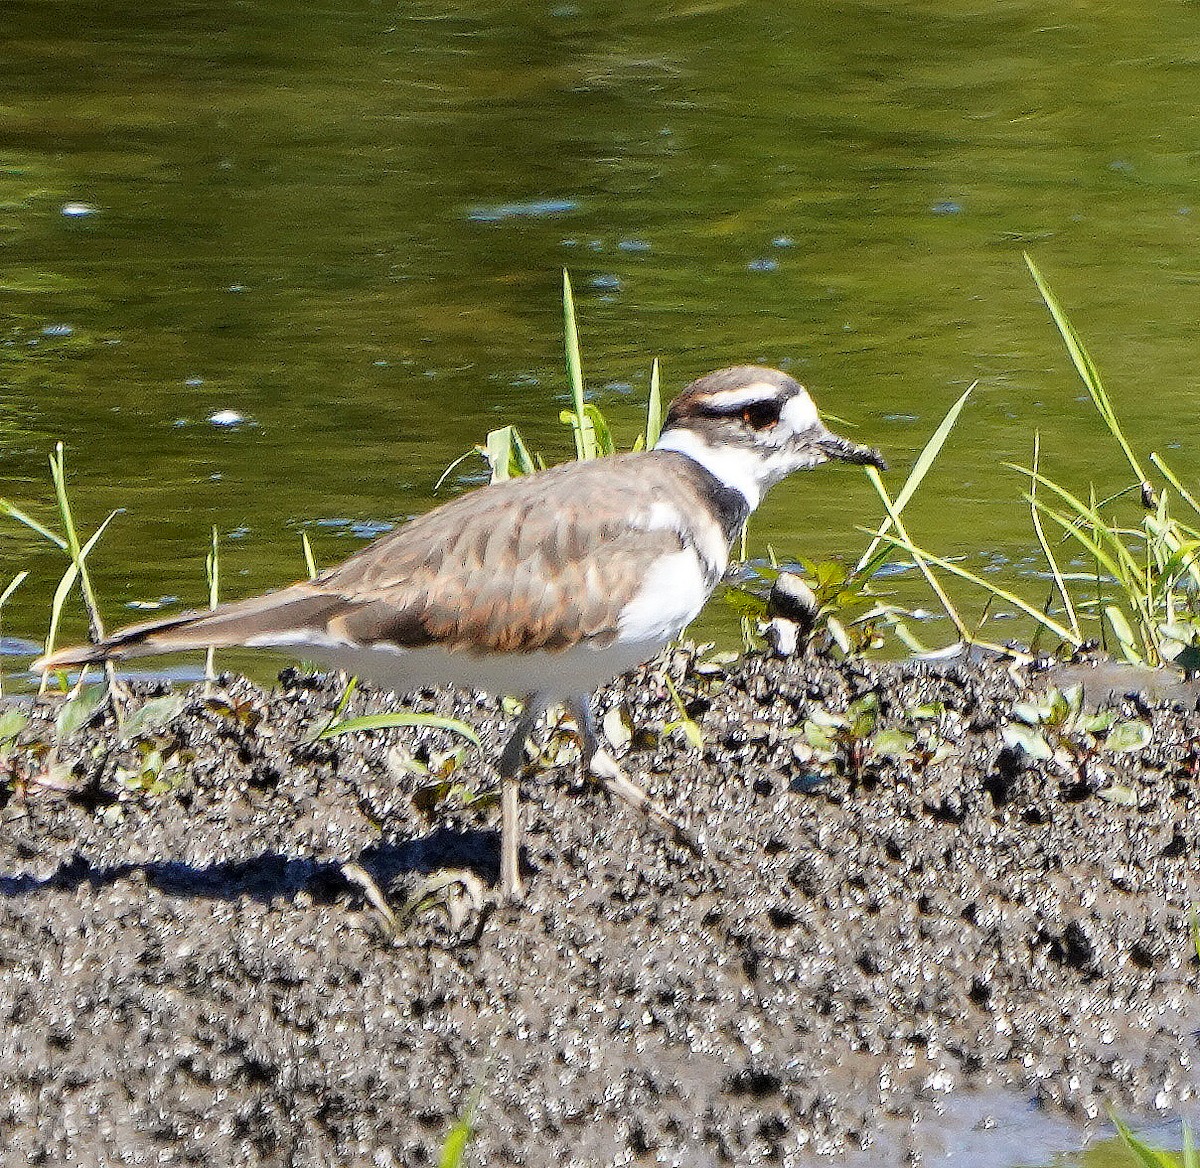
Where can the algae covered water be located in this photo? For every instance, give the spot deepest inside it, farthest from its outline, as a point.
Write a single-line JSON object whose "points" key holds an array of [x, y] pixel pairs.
{"points": [[272, 274]]}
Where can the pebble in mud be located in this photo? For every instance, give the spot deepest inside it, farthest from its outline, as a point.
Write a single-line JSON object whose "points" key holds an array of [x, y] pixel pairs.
{"points": [[187, 976]]}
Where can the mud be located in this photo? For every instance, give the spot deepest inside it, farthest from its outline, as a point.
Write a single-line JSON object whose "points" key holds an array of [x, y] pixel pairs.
{"points": [[191, 971]]}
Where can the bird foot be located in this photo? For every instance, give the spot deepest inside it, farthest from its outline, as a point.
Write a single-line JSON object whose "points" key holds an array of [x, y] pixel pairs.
{"points": [[605, 770], [457, 893]]}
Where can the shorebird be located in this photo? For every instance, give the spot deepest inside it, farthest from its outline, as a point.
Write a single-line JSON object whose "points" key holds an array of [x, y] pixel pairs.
{"points": [[546, 586]]}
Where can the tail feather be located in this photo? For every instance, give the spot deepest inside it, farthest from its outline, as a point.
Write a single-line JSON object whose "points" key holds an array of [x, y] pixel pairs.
{"points": [[291, 611]]}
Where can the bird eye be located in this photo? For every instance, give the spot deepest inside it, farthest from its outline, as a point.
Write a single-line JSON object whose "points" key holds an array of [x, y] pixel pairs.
{"points": [[761, 415]]}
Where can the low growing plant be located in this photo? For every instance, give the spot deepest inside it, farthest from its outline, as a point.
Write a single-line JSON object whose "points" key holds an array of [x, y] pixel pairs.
{"points": [[1143, 592]]}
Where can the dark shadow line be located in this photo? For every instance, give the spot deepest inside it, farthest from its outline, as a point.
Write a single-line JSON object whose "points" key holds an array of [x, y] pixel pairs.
{"points": [[272, 875]]}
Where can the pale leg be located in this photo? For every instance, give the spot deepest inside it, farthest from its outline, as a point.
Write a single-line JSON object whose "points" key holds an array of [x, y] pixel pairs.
{"points": [[511, 761], [603, 767]]}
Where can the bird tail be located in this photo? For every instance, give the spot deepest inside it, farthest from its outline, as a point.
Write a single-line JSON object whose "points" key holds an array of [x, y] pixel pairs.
{"points": [[256, 622]]}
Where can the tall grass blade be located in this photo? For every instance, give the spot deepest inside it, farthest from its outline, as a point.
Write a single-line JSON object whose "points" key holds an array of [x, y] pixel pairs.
{"points": [[310, 561], [400, 718], [212, 569], [654, 410], [13, 585], [12, 512], [1085, 367], [604, 439], [920, 469], [1190, 1157], [1145, 1155], [585, 438], [68, 581], [1173, 479], [916, 553], [58, 472], [1048, 622], [1121, 564], [1124, 634], [1059, 582]]}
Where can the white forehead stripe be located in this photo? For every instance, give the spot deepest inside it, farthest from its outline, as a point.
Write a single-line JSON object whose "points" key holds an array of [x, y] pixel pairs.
{"points": [[799, 412], [744, 395]]}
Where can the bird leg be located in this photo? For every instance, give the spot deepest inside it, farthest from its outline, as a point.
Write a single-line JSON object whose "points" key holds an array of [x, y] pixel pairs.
{"points": [[511, 761], [603, 767]]}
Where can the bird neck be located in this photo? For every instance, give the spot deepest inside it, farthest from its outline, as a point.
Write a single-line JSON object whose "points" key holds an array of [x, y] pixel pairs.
{"points": [[737, 469]]}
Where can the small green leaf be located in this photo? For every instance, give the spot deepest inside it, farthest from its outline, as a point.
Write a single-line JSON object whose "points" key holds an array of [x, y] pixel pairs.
{"points": [[926, 712], [1028, 712], [818, 736], [1126, 737], [1097, 723], [76, 710], [12, 722], [862, 714], [1120, 794], [401, 718], [1028, 740], [1124, 634], [152, 717], [827, 718], [618, 726], [893, 743]]}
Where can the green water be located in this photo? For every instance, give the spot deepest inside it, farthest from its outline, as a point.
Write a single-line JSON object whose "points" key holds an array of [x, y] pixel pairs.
{"points": [[346, 222], [348, 227]]}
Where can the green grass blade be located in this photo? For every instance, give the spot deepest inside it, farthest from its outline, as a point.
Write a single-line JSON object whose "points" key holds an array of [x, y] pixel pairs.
{"points": [[1048, 622], [7, 508], [310, 561], [1190, 1157], [585, 439], [454, 1150], [603, 435], [68, 582], [1173, 479], [917, 555], [919, 470], [56, 604], [1039, 531], [401, 718], [58, 472], [1124, 634], [14, 584], [1085, 367], [212, 569], [1145, 1155], [654, 410], [1091, 515]]}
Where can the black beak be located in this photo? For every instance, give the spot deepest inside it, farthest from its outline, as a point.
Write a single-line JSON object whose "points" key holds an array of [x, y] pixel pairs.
{"points": [[843, 450]]}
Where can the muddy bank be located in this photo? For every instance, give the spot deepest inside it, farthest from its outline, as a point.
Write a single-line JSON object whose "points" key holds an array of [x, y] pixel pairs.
{"points": [[894, 913]]}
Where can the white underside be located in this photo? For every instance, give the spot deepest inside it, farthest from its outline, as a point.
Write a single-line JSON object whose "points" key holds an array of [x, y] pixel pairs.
{"points": [[556, 675], [670, 597]]}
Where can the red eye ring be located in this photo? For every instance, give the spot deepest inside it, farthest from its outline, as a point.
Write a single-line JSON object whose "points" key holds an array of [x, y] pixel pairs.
{"points": [[761, 415]]}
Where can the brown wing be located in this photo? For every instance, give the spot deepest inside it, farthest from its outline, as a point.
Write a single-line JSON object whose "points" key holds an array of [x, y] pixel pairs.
{"points": [[538, 563], [542, 562]]}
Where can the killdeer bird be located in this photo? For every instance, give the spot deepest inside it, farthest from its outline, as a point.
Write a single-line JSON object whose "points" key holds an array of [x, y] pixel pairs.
{"points": [[546, 586]]}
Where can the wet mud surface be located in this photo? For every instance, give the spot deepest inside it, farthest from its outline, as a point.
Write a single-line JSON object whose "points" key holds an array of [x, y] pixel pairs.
{"points": [[894, 916]]}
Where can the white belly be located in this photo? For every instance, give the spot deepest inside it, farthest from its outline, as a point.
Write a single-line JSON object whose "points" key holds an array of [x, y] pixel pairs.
{"points": [[560, 675]]}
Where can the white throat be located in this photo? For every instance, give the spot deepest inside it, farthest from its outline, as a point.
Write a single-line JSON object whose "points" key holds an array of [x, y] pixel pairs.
{"points": [[735, 467]]}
